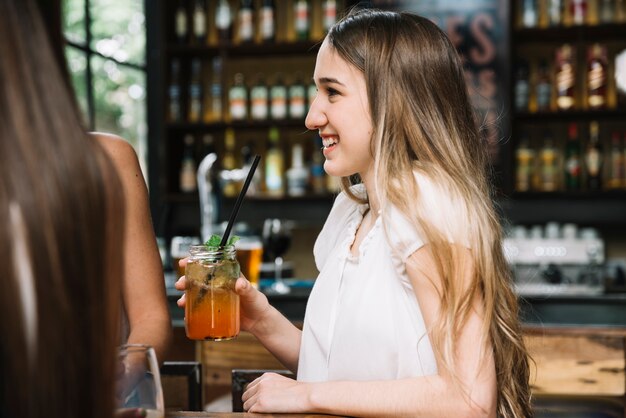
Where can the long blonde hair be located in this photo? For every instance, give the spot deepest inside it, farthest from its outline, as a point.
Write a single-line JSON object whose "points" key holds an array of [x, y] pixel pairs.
{"points": [[423, 121]]}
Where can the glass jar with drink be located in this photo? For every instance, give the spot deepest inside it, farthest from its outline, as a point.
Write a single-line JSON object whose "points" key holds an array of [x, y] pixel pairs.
{"points": [[212, 308]]}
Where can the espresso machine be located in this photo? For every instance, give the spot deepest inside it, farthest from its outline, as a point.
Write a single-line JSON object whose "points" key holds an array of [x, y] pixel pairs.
{"points": [[556, 260]]}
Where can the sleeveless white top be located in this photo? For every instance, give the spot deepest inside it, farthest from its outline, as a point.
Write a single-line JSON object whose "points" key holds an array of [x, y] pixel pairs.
{"points": [[363, 320]]}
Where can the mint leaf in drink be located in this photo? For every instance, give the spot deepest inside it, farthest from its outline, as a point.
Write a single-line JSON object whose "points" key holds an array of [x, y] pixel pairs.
{"points": [[232, 240], [214, 241]]}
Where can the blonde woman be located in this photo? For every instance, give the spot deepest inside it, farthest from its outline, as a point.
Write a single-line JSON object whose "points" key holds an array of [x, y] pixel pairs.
{"points": [[412, 313]]}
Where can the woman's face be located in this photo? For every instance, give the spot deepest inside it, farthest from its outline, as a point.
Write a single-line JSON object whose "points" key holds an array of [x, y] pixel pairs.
{"points": [[340, 112]]}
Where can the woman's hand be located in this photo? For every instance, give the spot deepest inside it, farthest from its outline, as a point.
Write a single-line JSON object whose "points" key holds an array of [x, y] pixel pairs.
{"points": [[275, 393], [254, 304]]}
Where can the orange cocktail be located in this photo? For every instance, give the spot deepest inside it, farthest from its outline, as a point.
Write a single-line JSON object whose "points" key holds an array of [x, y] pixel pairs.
{"points": [[212, 308]]}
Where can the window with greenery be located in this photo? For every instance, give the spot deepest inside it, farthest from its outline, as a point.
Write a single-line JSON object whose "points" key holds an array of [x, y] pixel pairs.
{"points": [[106, 55]]}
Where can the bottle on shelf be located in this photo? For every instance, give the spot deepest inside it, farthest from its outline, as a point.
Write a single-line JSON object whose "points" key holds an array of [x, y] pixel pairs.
{"points": [[311, 92], [229, 162], [318, 175], [329, 13], [278, 98], [180, 27], [554, 12], [195, 92], [616, 172], [297, 175], [245, 22], [259, 99], [596, 76], [274, 165], [238, 99], [548, 164], [565, 78], [593, 12], [199, 22], [297, 98], [620, 11], [214, 112], [267, 21], [173, 92], [606, 11], [224, 21], [619, 71], [572, 159], [578, 11], [543, 14], [593, 158], [524, 157], [521, 87], [187, 177], [302, 19], [543, 87], [529, 14]]}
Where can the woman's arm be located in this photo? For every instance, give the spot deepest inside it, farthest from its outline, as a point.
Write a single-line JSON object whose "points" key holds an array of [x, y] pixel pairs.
{"points": [[143, 283], [428, 396]]}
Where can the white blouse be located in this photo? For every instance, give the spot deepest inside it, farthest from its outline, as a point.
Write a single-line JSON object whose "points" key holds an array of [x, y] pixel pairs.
{"points": [[363, 320]]}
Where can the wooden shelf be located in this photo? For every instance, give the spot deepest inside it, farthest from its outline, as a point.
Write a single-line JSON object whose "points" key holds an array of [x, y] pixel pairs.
{"points": [[254, 125], [572, 115], [599, 33], [246, 50]]}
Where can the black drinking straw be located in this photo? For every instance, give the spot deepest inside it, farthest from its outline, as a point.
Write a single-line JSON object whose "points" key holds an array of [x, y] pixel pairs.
{"points": [[242, 193]]}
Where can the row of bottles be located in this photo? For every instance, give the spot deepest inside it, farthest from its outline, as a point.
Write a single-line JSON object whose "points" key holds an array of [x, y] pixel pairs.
{"points": [[541, 87], [203, 22], [554, 13], [596, 163], [276, 176], [260, 101]]}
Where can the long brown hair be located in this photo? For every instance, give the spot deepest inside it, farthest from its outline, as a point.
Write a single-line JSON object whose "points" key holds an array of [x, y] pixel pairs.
{"points": [[61, 222], [423, 122]]}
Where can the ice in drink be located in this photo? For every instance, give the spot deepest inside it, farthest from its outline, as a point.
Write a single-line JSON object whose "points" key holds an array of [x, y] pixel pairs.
{"points": [[212, 308]]}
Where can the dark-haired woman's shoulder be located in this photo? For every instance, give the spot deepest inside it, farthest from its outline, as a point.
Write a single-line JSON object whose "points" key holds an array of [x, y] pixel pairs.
{"points": [[119, 150]]}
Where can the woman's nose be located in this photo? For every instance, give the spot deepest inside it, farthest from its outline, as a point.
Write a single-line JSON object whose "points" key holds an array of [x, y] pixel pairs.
{"points": [[316, 118]]}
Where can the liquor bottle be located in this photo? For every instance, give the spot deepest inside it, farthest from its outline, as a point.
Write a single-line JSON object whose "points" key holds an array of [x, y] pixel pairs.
{"points": [[302, 24], [229, 162], [572, 159], [524, 157], [521, 87], [529, 14], [543, 15], [215, 112], [606, 11], [187, 177], [329, 12], [245, 25], [318, 175], [195, 92], [565, 78], [593, 158], [554, 12], [267, 21], [238, 99], [224, 21], [543, 88], [593, 13], [259, 99], [297, 175], [548, 164], [596, 76], [297, 98], [274, 165], [616, 169], [578, 11], [199, 21], [278, 99], [311, 92], [180, 28], [620, 11], [174, 112]]}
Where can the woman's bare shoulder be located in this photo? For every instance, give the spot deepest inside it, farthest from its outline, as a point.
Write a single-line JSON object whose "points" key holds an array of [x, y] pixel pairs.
{"points": [[118, 149]]}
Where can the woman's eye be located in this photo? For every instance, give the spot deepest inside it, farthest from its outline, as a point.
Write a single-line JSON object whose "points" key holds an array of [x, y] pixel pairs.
{"points": [[332, 92]]}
